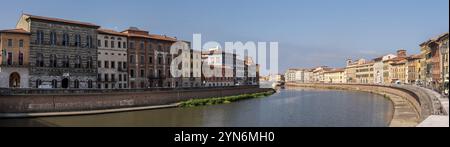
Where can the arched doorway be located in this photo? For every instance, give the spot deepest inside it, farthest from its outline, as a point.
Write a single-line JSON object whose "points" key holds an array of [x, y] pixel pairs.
{"points": [[14, 80], [65, 83]]}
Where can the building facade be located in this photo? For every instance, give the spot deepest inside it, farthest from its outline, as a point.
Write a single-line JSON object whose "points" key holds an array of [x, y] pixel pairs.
{"points": [[222, 66], [443, 45], [379, 66], [149, 59], [112, 60], [14, 63], [335, 76], [63, 53], [433, 63]]}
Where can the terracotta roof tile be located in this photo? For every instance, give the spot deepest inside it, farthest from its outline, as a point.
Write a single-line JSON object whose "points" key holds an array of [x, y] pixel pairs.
{"points": [[62, 20], [19, 31], [111, 32]]}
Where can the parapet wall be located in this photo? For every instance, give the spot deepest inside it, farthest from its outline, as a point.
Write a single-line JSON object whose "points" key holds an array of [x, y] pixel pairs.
{"points": [[17, 102]]}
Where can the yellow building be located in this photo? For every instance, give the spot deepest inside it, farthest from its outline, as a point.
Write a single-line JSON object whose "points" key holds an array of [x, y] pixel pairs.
{"points": [[414, 69], [365, 73], [335, 76]]}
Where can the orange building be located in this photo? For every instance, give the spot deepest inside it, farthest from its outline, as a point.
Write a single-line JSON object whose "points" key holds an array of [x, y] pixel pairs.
{"points": [[15, 48]]}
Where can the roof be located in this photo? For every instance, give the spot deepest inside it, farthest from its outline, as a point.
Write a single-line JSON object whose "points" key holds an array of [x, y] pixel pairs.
{"points": [[152, 36], [62, 20], [335, 70], [111, 32], [438, 38], [16, 31]]}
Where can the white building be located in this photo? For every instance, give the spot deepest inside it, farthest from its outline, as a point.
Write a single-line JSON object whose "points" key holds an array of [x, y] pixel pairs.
{"points": [[379, 66], [112, 60]]}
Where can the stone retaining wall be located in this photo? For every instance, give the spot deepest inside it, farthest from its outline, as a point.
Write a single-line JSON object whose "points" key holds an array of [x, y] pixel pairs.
{"points": [[38, 103]]}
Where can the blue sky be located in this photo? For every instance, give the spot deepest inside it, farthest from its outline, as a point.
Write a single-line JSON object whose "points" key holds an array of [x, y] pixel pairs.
{"points": [[310, 32]]}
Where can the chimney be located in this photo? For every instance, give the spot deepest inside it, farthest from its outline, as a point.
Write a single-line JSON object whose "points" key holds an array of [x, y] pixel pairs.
{"points": [[401, 53]]}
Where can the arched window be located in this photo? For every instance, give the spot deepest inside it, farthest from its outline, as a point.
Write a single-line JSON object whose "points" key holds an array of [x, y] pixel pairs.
{"points": [[76, 84], [38, 83], [54, 84]]}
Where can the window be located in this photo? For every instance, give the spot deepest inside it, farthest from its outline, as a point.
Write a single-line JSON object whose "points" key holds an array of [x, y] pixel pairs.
{"points": [[132, 73], [20, 43], [142, 46], [131, 45], [124, 44], [90, 84], [53, 61], [106, 43], [53, 38], [9, 58], [76, 84], [106, 64], [142, 59], [66, 39], [66, 62], [120, 77], [38, 83], [112, 44], [106, 77], [150, 60], [124, 65], [119, 65], [119, 44], [40, 37], [99, 43], [89, 42], [113, 64], [78, 62], [125, 77], [142, 73], [99, 77], [40, 60], [131, 59], [20, 58], [10, 43], [54, 84], [113, 77], [90, 63], [160, 60], [77, 40]]}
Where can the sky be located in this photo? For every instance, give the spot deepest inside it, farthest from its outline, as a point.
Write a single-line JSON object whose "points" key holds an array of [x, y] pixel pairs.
{"points": [[310, 32]]}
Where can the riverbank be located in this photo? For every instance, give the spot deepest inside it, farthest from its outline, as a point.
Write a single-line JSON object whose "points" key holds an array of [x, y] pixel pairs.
{"points": [[223, 100], [407, 110], [38, 105]]}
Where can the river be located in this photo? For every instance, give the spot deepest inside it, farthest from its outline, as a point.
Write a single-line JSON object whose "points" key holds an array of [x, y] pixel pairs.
{"points": [[297, 107]]}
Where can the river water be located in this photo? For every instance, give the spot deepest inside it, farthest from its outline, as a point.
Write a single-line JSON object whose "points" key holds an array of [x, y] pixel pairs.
{"points": [[288, 108]]}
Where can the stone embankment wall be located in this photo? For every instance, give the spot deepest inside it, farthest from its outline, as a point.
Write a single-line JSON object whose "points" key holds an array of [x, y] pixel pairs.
{"points": [[36, 101]]}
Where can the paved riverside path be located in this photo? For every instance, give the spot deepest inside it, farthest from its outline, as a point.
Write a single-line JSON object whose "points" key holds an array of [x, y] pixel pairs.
{"points": [[438, 118], [435, 121]]}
